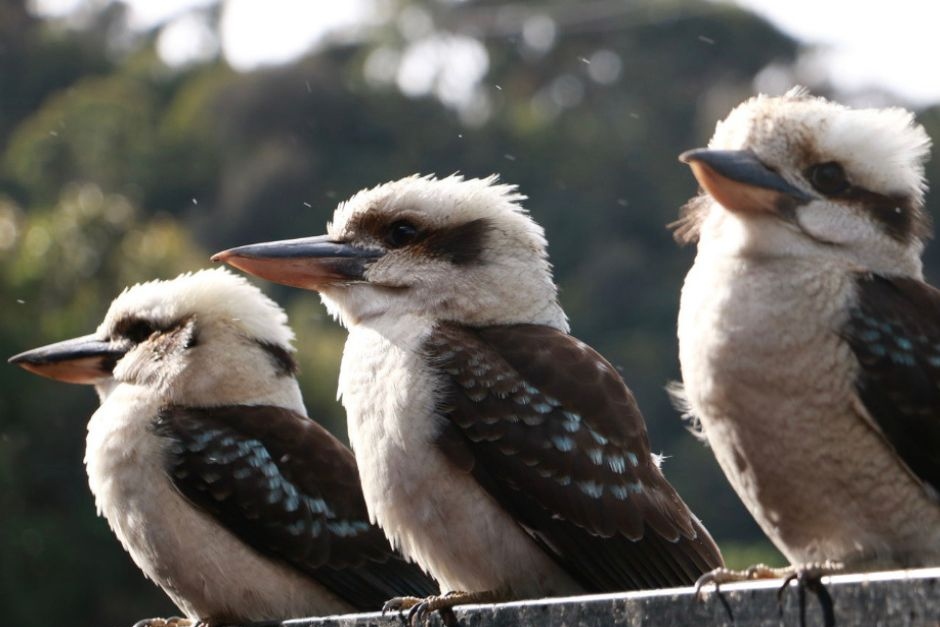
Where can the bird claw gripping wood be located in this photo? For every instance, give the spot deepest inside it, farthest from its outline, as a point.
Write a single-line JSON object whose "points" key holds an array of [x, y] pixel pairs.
{"points": [[807, 576], [172, 621], [419, 610], [400, 604]]}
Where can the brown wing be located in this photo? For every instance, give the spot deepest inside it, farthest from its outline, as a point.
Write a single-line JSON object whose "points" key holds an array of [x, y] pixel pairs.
{"points": [[548, 427], [289, 489], [894, 331]]}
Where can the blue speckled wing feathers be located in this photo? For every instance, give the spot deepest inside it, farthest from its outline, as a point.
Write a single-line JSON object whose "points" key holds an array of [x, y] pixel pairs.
{"points": [[547, 426], [290, 490], [894, 332]]}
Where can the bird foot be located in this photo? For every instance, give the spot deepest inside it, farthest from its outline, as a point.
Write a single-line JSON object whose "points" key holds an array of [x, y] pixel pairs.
{"points": [[400, 604], [807, 576], [811, 570], [173, 621], [723, 575], [420, 609]]}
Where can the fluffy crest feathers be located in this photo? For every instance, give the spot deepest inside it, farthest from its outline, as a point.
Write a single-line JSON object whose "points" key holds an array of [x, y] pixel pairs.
{"points": [[215, 294], [448, 200], [882, 149], [482, 258]]}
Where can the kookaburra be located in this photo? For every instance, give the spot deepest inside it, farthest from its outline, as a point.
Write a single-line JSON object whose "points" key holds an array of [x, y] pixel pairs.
{"points": [[809, 341], [499, 452], [203, 461]]}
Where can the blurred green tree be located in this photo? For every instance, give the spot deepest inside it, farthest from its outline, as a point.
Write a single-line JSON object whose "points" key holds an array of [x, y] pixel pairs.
{"points": [[37, 60], [60, 266], [116, 168]]}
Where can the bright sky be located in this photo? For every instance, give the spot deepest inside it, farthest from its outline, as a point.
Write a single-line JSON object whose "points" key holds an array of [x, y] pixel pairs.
{"points": [[893, 45]]}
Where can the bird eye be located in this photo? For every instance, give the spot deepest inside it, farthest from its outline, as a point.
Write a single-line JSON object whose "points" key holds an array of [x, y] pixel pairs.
{"points": [[401, 233], [828, 178], [138, 331]]}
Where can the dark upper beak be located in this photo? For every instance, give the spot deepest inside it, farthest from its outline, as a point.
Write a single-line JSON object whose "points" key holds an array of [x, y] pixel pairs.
{"points": [[740, 182], [85, 359], [309, 262]]}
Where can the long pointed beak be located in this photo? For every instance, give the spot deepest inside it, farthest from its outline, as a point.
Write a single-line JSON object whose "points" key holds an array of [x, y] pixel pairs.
{"points": [[740, 182], [309, 262], [87, 360]]}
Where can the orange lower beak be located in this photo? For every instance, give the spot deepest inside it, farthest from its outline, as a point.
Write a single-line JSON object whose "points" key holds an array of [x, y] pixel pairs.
{"points": [[86, 360], [740, 182]]}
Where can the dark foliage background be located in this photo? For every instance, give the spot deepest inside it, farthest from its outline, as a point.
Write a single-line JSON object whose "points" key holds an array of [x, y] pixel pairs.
{"points": [[115, 168]]}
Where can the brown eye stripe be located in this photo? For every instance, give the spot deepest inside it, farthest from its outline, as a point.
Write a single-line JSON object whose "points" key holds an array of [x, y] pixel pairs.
{"points": [[134, 328], [139, 330], [461, 244], [282, 360], [372, 222], [898, 215]]}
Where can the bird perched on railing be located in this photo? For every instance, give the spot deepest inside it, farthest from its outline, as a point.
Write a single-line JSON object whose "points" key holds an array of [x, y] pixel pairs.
{"points": [[502, 454], [203, 460], [809, 341]]}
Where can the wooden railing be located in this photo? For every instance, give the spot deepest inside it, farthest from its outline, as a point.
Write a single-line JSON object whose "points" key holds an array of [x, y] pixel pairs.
{"points": [[886, 599]]}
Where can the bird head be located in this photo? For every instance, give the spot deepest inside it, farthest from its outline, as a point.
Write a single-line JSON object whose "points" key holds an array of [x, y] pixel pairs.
{"points": [[203, 338], [797, 175], [437, 249]]}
